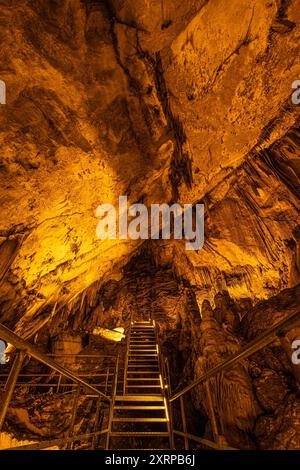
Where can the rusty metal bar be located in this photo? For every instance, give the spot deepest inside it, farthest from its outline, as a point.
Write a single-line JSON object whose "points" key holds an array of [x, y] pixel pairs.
{"points": [[126, 358], [212, 415], [73, 417], [10, 337], [79, 356], [57, 442], [86, 374], [106, 381], [205, 442], [50, 384], [165, 377], [10, 385], [266, 338], [184, 427], [112, 403], [168, 394], [58, 383], [95, 439]]}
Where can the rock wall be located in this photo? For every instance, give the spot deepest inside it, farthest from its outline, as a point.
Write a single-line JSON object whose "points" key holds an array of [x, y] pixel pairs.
{"points": [[162, 101]]}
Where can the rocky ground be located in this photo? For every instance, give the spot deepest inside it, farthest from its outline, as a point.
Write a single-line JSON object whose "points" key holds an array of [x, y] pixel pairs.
{"points": [[162, 101]]}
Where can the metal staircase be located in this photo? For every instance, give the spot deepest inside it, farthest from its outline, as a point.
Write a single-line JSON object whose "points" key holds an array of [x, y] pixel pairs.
{"points": [[136, 412], [139, 415]]}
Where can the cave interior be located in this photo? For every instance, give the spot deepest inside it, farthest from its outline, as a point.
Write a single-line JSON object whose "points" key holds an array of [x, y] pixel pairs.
{"points": [[162, 101]]}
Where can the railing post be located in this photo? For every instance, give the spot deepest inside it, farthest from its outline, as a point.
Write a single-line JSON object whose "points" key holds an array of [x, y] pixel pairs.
{"points": [[183, 419], [259, 343], [58, 383], [169, 403], [112, 403], [19, 343], [10, 385], [73, 418], [126, 358], [212, 413], [95, 439], [106, 380]]}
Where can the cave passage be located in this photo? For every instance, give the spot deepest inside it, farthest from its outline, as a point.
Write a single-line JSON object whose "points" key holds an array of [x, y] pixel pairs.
{"points": [[149, 225]]}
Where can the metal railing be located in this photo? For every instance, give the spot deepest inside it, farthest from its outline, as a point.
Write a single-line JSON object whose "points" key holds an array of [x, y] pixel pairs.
{"points": [[75, 383], [24, 348], [98, 369], [126, 356], [165, 386], [278, 331]]}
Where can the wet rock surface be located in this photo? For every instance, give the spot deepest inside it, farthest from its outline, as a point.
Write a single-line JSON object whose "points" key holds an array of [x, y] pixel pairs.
{"points": [[164, 102]]}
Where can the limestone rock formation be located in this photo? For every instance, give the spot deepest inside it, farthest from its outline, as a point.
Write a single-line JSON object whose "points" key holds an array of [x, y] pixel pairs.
{"points": [[162, 101]]}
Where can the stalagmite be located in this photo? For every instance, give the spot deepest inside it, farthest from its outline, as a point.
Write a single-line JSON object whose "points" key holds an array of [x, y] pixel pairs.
{"points": [[149, 226]]}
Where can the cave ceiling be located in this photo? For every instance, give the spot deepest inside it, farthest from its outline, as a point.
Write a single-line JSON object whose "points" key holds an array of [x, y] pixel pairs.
{"points": [[162, 102]]}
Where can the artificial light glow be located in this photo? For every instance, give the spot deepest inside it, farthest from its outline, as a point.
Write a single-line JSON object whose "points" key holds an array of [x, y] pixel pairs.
{"points": [[112, 335]]}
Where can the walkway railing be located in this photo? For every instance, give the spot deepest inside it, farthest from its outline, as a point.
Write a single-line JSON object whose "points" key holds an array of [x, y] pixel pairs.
{"points": [[24, 348], [73, 382], [278, 331]]}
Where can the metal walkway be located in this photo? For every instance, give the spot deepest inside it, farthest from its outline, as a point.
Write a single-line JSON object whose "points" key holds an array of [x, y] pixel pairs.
{"points": [[138, 405], [139, 412]]}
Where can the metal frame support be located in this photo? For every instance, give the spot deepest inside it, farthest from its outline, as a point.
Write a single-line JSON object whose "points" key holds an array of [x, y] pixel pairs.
{"points": [[10, 385], [19, 343], [95, 440], [73, 417], [212, 413], [126, 358], [184, 426], [112, 404]]}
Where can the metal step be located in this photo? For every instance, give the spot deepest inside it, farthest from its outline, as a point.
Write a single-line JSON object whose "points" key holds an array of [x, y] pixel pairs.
{"points": [[141, 352], [135, 365], [143, 386], [144, 338], [146, 331], [140, 360], [143, 360], [141, 327], [141, 366], [139, 398], [143, 355], [139, 407], [140, 420], [140, 343], [144, 372], [139, 404], [145, 341], [139, 379], [140, 336], [138, 434], [142, 348]]}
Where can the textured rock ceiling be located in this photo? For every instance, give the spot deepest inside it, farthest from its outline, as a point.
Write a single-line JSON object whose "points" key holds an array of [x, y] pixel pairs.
{"points": [[161, 101]]}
